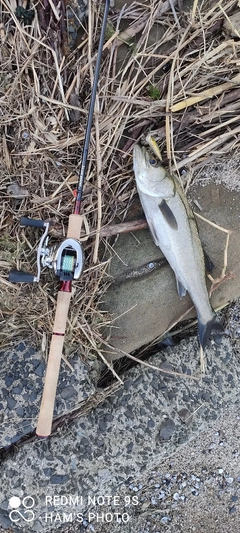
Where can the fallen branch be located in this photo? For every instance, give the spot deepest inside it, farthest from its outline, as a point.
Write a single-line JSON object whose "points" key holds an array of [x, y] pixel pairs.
{"points": [[124, 227]]}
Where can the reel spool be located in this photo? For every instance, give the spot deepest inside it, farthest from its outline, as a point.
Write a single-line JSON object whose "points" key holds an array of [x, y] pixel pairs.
{"points": [[67, 260]]}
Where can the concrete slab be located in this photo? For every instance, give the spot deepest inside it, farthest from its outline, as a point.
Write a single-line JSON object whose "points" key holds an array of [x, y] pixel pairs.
{"points": [[130, 433]]}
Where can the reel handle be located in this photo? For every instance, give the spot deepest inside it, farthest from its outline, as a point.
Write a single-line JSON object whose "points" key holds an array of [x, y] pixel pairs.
{"points": [[25, 221], [18, 276]]}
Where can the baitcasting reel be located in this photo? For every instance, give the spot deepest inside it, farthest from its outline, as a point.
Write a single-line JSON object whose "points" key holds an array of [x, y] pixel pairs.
{"points": [[67, 260]]}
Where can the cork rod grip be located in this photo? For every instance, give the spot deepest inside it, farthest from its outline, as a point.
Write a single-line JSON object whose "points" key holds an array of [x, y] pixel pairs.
{"points": [[44, 425], [74, 226]]}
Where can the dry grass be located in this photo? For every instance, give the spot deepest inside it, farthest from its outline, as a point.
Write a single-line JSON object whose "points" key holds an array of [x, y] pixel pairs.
{"points": [[44, 93]]}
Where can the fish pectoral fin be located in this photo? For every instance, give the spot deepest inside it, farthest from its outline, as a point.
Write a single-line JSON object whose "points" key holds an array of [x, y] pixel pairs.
{"points": [[168, 214], [181, 289]]}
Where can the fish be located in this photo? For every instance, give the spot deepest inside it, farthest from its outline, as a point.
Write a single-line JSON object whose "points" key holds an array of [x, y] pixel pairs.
{"points": [[174, 230]]}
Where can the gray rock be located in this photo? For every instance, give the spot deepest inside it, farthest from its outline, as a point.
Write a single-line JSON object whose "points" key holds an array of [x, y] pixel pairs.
{"points": [[59, 479], [20, 411], [17, 390], [39, 371], [68, 392], [151, 423], [10, 402], [5, 521], [14, 439], [9, 380], [20, 347], [166, 429], [102, 425]]}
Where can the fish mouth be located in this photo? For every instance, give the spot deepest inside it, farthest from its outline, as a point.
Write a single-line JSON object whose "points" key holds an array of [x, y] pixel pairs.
{"points": [[145, 158], [141, 156], [154, 147]]}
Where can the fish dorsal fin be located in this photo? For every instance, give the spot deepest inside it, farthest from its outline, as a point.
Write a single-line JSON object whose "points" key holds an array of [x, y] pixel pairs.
{"points": [[181, 289], [168, 214]]}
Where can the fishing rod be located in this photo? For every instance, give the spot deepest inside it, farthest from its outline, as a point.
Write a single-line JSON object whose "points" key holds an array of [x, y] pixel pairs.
{"points": [[67, 261]]}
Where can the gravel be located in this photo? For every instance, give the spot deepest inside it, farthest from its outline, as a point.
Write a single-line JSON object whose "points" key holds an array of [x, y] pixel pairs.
{"points": [[223, 170]]}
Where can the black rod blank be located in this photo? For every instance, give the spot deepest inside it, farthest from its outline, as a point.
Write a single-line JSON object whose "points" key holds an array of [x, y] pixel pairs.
{"points": [[82, 170]]}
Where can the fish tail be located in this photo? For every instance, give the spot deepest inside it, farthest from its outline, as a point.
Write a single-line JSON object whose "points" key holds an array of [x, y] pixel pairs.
{"points": [[206, 329]]}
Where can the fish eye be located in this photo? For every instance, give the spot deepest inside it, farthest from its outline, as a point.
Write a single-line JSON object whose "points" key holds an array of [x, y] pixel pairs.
{"points": [[153, 162]]}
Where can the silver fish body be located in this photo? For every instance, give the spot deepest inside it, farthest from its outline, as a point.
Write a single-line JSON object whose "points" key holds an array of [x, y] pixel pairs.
{"points": [[173, 228]]}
